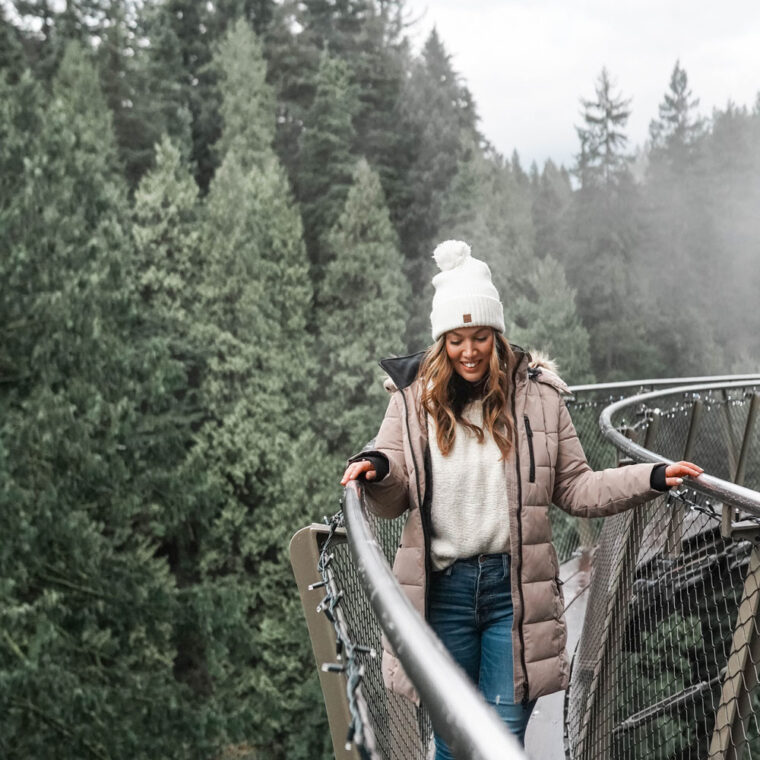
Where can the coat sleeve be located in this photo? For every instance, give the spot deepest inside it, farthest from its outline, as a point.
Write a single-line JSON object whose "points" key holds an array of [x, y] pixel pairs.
{"points": [[390, 496], [585, 493]]}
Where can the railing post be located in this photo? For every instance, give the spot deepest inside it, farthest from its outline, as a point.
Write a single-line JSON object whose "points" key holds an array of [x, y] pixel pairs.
{"points": [[305, 548], [731, 718], [678, 514], [727, 514]]}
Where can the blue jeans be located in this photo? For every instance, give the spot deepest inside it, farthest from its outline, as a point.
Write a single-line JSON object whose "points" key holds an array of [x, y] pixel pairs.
{"points": [[471, 612]]}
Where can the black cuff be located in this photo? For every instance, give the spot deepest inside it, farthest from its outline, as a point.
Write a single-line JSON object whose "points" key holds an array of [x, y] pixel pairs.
{"points": [[380, 463], [657, 478]]}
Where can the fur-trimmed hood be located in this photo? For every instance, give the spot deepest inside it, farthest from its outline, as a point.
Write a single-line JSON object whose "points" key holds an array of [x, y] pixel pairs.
{"points": [[402, 370]]}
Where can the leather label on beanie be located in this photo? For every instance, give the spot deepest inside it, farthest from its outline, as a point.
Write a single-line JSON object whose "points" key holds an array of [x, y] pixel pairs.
{"points": [[466, 318]]}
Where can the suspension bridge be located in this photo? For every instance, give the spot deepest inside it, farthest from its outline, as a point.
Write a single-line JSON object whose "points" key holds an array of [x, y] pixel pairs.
{"points": [[662, 602]]}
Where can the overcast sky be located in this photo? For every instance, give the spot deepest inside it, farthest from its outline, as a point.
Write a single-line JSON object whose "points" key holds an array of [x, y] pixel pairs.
{"points": [[527, 62]]}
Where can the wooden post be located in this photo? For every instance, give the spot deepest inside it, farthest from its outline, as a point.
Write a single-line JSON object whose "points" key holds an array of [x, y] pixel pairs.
{"points": [[305, 548], [735, 708]]}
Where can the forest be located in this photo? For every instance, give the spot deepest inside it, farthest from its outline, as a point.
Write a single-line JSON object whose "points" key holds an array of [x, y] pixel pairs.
{"points": [[215, 219]]}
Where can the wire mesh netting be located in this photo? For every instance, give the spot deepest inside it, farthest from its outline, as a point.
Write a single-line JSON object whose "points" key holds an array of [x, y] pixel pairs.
{"points": [[401, 731], [668, 660], [667, 664]]}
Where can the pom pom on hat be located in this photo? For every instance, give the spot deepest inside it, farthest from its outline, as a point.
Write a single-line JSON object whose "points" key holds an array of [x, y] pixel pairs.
{"points": [[464, 293], [451, 253]]}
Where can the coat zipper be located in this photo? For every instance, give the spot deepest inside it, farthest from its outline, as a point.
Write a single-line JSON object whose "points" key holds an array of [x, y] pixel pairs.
{"points": [[526, 695], [423, 511], [529, 432]]}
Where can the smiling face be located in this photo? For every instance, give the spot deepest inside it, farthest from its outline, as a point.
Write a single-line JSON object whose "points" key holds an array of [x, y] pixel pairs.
{"points": [[469, 350]]}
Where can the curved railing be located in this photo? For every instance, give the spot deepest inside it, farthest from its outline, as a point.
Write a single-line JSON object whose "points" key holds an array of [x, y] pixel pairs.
{"points": [[667, 663], [456, 708], [396, 729]]}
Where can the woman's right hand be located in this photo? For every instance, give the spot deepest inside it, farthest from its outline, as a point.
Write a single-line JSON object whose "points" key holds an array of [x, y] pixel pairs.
{"points": [[355, 469]]}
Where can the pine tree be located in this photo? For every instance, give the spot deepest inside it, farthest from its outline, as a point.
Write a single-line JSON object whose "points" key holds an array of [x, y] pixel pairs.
{"points": [[601, 161], [438, 121], [676, 132], [11, 49], [325, 163], [256, 442], [552, 198], [88, 605], [677, 224], [365, 288], [604, 233], [727, 193], [487, 207], [247, 107], [544, 318]]}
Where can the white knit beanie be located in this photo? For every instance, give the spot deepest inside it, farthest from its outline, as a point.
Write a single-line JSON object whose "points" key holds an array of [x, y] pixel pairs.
{"points": [[464, 294]]}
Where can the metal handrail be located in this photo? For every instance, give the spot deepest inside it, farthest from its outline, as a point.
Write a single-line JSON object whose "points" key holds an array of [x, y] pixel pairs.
{"points": [[722, 490], [457, 710], [654, 382]]}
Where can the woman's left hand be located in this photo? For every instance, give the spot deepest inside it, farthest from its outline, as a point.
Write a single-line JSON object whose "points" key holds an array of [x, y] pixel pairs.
{"points": [[675, 473]]}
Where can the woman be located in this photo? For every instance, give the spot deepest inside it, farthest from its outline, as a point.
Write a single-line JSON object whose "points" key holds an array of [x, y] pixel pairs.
{"points": [[476, 444]]}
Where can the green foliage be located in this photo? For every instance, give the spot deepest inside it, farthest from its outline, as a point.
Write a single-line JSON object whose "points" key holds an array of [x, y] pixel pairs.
{"points": [[88, 603], [486, 206], [677, 130], [255, 441], [362, 313], [552, 199], [247, 107], [325, 163], [545, 317], [601, 161], [180, 381], [604, 233], [437, 120], [11, 50], [661, 667]]}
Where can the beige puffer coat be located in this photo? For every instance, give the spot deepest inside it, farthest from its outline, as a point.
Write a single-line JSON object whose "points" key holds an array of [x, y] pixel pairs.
{"points": [[548, 466]]}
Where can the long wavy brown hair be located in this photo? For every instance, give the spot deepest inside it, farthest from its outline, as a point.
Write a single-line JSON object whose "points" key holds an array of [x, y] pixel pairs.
{"points": [[438, 379]]}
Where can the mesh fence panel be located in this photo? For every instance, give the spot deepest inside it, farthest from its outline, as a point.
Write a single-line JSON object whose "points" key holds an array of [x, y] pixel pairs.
{"points": [[670, 636], [669, 639], [402, 731]]}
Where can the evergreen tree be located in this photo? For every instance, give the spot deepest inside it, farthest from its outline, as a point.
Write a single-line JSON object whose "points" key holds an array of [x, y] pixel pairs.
{"points": [[11, 49], [182, 37], [677, 130], [728, 167], [438, 120], [603, 237], [48, 27], [545, 318], [166, 232], [88, 604], [256, 441], [487, 207], [552, 198], [601, 161], [325, 163], [365, 288], [247, 107], [677, 228]]}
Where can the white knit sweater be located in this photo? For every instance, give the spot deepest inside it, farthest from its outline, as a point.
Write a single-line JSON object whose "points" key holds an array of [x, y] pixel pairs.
{"points": [[469, 502]]}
